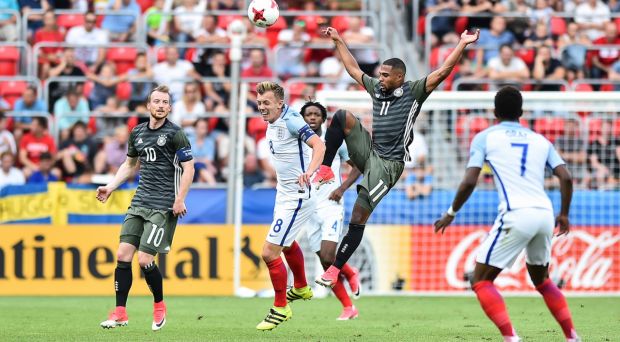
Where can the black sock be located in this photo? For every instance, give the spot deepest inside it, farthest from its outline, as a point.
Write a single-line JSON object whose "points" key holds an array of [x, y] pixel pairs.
{"points": [[122, 282], [349, 244], [334, 137], [154, 280]]}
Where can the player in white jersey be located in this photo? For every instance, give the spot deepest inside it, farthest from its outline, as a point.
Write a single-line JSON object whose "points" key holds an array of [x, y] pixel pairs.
{"points": [[518, 158], [296, 153], [325, 228]]}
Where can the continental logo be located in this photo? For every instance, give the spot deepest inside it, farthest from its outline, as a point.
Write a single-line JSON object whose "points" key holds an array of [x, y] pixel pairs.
{"points": [[80, 260]]}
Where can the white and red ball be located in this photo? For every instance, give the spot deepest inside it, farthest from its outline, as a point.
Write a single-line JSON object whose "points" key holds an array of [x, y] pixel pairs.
{"points": [[263, 13]]}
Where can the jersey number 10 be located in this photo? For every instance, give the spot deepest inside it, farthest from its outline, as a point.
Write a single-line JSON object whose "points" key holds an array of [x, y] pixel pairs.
{"points": [[150, 154]]}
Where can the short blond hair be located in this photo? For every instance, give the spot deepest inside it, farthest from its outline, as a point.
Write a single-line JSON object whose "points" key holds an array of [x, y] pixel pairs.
{"points": [[162, 89], [266, 86]]}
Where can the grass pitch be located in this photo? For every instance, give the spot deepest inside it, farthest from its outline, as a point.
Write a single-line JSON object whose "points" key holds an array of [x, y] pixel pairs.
{"points": [[232, 319]]}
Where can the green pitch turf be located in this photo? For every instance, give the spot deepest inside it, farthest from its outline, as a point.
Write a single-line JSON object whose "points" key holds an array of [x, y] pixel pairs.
{"points": [[230, 319]]}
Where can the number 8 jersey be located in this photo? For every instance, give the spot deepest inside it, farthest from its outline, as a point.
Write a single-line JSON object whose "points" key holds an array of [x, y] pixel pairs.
{"points": [[518, 158]]}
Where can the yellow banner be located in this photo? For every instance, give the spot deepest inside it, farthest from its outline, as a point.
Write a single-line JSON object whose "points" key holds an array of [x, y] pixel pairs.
{"points": [[80, 260]]}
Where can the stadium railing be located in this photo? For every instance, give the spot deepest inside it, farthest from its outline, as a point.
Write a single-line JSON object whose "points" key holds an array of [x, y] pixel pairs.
{"points": [[456, 86], [155, 51], [51, 123], [606, 84]]}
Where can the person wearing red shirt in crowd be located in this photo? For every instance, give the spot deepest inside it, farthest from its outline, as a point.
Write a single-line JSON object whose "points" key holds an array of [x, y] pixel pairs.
{"points": [[604, 58], [258, 69], [33, 144], [49, 56]]}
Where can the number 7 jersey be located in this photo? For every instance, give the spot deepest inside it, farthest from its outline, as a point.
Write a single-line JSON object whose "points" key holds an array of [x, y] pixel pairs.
{"points": [[518, 158]]}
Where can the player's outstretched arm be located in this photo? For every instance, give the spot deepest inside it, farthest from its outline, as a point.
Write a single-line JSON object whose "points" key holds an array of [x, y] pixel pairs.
{"points": [[467, 186], [126, 169], [354, 174], [437, 76], [179, 209], [318, 152], [566, 191], [345, 55]]}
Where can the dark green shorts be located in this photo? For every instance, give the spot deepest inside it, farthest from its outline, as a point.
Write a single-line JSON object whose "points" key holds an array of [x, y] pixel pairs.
{"points": [[380, 174], [150, 230]]}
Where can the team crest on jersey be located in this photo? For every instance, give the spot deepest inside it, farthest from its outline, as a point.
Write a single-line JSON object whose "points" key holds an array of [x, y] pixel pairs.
{"points": [[161, 141], [280, 133], [398, 92]]}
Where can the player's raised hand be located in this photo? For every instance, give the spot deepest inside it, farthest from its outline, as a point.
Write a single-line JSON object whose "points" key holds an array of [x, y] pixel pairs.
{"points": [[103, 192], [443, 223], [467, 38], [332, 33], [564, 225], [336, 195], [178, 208]]}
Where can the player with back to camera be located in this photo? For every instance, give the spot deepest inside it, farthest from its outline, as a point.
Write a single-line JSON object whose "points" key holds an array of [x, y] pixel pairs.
{"points": [[518, 158], [296, 153], [396, 105], [325, 227], [166, 173]]}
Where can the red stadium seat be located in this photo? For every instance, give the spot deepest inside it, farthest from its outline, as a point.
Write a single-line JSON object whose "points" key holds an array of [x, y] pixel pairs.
{"points": [[190, 54], [12, 90], [224, 20], [145, 4], [595, 126], [524, 123], [607, 87], [131, 123], [68, 21], [257, 128], [584, 87], [558, 26], [161, 54], [616, 128], [123, 57], [476, 124], [527, 55], [88, 87], [92, 125], [9, 60], [460, 25], [551, 128], [274, 30], [340, 23], [123, 91]]}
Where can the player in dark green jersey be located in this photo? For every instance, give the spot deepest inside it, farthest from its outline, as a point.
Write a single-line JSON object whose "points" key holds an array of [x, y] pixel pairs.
{"points": [[166, 172], [396, 104]]}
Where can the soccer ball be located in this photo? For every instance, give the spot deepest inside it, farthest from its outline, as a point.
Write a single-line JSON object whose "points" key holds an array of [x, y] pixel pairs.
{"points": [[263, 13]]}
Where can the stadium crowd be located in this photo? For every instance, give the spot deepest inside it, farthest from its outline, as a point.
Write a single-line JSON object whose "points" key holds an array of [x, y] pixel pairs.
{"points": [[93, 74]]}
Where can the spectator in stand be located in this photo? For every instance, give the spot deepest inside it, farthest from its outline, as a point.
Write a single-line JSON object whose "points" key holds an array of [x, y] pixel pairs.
{"points": [[9, 174], [172, 71], [254, 34], [574, 46], [46, 172], [418, 179], [441, 25], [209, 33], [482, 7], [187, 20], [491, 39], [368, 59], [542, 12], [8, 26], [70, 109], [591, 17], [7, 141], [114, 152], [290, 55], [104, 84], [50, 33], [229, 5], [547, 68], [4, 105], [203, 150], [258, 69], [189, 108], [33, 144], [77, 154], [604, 58], [140, 90], [89, 34], [113, 115], [155, 19], [572, 148], [121, 28], [29, 9], [218, 92], [507, 67], [66, 68], [252, 174], [541, 36], [333, 69], [28, 103], [614, 75], [604, 158]]}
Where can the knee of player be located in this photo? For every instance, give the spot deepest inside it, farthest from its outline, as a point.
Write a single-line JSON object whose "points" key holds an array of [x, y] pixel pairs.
{"points": [[124, 254], [269, 254], [327, 258], [145, 259]]}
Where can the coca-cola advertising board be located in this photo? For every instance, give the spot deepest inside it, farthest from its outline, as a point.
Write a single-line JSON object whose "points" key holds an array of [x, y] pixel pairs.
{"points": [[415, 259]]}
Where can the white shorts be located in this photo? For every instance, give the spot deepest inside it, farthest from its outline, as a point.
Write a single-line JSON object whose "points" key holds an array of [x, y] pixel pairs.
{"points": [[289, 217], [325, 225], [526, 228]]}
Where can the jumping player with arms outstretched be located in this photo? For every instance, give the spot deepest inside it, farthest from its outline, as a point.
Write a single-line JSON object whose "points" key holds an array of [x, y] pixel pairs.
{"points": [[518, 158], [326, 226], [296, 153], [396, 104], [166, 172]]}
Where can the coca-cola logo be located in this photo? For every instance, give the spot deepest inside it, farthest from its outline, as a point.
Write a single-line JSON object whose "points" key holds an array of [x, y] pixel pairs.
{"points": [[583, 260]]}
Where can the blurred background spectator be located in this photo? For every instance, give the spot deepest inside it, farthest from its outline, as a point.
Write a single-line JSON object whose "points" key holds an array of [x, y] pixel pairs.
{"points": [[89, 34], [7, 141], [9, 174], [33, 144], [46, 172], [76, 155], [203, 150]]}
